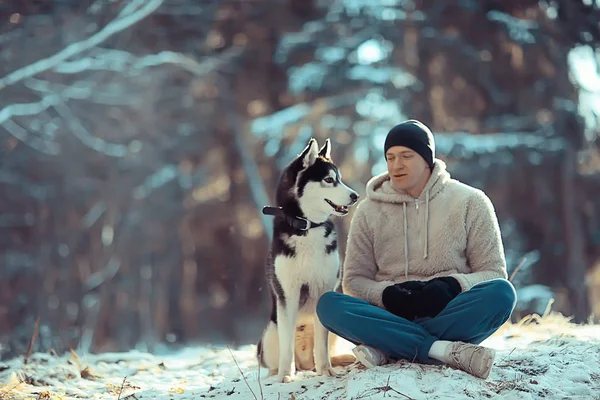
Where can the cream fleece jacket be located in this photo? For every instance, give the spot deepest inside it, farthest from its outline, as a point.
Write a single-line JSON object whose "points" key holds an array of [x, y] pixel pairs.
{"points": [[450, 230]]}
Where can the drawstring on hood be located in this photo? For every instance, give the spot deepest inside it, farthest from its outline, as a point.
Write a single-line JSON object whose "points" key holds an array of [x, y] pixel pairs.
{"points": [[426, 224], [380, 188], [405, 242]]}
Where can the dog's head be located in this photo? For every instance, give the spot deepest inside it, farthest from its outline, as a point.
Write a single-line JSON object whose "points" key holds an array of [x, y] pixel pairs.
{"points": [[314, 183]]}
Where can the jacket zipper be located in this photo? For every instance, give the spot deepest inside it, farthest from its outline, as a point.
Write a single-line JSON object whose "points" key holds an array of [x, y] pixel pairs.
{"points": [[418, 224]]}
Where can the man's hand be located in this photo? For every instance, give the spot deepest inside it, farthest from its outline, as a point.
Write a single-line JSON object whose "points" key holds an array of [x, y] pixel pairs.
{"points": [[399, 299], [435, 295], [412, 285], [417, 299]]}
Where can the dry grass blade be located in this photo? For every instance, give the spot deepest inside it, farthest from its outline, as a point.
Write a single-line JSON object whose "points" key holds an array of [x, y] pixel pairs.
{"points": [[243, 377], [517, 269], [45, 395], [387, 388], [77, 359], [6, 391], [384, 389], [258, 377], [121, 390], [32, 341], [502, 363], [86, 373]]}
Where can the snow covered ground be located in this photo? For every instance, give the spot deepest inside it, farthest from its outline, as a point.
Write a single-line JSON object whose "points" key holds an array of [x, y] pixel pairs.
{"points": [[552, 360]]}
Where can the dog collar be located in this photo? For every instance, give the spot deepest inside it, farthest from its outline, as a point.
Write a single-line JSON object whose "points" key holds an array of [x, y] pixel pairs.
{"points": [[299, 223]]}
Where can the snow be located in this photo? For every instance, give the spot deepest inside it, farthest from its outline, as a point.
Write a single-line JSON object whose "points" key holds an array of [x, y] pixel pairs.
{"points": [[539, 357], [372, 51], [330, 54], [586, 74], [307, 77], [385, 10], [274, 123], [376, 106], [494, 142], [517, 28], [398, 77]]}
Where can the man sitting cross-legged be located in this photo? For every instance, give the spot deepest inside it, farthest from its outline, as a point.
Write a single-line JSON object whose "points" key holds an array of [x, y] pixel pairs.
{"points": [[424, 273]]}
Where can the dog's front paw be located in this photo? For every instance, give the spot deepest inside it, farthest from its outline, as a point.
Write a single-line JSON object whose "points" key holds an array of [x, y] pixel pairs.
{"points": [[327, 371], [283, 378]]}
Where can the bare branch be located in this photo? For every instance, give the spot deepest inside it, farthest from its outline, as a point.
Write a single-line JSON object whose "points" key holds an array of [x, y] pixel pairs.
{"points": [[95, 7], [257, 187], [22, 109], [123, 61], [93, 214], [32, 341], [55, 95], [158, 179], [272, 125], [104, 275], [34, 142], [82, 90], [115, 60], [37, 191], [81, 133], [73, 49], [130, 8]]}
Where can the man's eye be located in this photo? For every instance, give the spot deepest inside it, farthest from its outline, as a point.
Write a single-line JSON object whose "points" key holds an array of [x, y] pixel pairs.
{"points": [[328, 179]]}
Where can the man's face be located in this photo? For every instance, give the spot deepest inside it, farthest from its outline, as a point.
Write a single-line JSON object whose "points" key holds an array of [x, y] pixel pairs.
{"points": [[408, 170]]}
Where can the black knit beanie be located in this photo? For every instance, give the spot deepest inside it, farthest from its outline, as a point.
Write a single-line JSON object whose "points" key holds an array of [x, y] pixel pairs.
{"points": [[414, 135]]}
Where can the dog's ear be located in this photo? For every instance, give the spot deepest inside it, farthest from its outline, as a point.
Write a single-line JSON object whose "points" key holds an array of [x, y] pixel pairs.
{"points": [[326, 150], [310, 153]]}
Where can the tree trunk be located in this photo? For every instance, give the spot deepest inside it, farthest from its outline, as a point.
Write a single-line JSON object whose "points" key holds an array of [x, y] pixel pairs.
{"points": [[575, 242]]}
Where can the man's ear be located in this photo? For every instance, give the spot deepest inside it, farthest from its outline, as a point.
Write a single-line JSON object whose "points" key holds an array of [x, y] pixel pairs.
{"points": [[310, 153], [326, 150]]}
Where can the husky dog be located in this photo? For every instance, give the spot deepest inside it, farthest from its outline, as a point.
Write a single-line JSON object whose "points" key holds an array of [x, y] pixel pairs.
{"points": [[303, 264]]}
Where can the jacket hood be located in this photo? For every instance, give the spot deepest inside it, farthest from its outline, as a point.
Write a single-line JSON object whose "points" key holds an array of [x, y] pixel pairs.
{"points": [[380, 187]]}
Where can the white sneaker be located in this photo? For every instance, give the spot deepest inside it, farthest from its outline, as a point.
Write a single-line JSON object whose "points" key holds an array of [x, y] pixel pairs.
{"points": [[471, 358], [368, 356]]}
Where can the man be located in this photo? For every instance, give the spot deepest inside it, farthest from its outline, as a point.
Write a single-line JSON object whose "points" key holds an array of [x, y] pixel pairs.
{"points": [[424, 274]]}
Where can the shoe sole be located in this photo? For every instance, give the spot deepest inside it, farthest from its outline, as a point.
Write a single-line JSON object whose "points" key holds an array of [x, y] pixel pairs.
{"points": [[363, 358], [490, 364]]}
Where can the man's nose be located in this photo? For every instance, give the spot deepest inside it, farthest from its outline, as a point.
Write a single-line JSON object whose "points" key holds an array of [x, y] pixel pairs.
{"points": [[398, 164]]}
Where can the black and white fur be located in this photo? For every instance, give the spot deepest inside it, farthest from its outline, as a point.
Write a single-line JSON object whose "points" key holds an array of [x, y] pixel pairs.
{"points": [[303, 265]]}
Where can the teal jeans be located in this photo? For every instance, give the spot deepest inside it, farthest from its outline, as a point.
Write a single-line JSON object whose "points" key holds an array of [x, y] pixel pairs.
{"points": [[470, 317]]}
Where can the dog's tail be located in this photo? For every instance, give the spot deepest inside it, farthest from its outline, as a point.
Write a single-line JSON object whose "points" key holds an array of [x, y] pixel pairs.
{"points": [[267, 349], [259, 353]]}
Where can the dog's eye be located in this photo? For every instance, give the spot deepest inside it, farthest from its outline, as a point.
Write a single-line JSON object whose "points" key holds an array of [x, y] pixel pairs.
{"points": [[328, 179]]}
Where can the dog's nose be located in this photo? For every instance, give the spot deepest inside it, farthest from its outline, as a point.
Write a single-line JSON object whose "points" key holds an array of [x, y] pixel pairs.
{"points": [[354, 197]]}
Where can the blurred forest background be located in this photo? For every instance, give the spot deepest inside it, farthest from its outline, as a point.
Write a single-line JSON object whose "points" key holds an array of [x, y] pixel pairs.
{"points": [[140, 139]]}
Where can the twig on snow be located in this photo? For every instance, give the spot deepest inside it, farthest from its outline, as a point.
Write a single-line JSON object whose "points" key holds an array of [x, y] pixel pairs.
{"points": [[121, 390], [384, 389], [32, 341], [517, 269], [245, 380]]}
